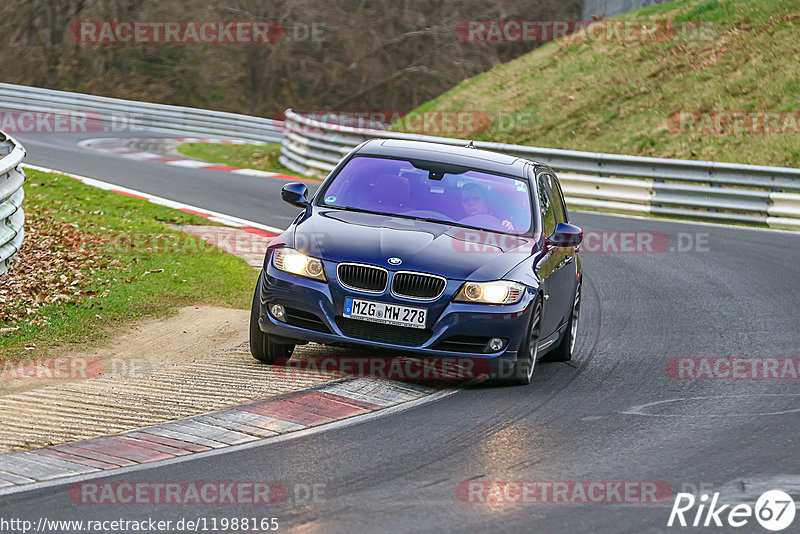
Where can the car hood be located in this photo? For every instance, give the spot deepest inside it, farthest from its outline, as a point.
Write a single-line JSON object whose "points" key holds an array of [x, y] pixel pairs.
{"points": [[439, 248]]}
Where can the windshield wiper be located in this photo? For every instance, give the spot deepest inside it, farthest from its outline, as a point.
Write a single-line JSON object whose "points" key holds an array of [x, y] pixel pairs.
{"points": [[362, 210], [461, 225], [425, 219], [357, 210]]}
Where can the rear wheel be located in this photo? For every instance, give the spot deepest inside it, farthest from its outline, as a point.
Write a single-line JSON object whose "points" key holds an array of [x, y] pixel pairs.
{"points": [[262, 347], [563, 352], [522, 370]]}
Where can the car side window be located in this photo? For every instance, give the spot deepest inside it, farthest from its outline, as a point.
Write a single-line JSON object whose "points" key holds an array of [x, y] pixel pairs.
{"points": [[547, 204], [558, 199]]}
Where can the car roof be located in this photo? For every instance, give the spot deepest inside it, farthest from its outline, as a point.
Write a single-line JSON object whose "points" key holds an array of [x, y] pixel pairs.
{"points": [[456, 155]]}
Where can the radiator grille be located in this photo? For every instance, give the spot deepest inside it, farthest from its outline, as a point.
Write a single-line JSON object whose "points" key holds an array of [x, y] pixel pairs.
{"points": [[383, 333], [418, 285], [363, 277]]}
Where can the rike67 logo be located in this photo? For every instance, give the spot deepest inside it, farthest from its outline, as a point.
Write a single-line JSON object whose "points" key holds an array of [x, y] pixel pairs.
{"points": [[774, 510]]}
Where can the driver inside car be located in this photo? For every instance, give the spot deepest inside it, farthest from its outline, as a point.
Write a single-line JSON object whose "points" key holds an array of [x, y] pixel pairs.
{"points": [[473, 200]]}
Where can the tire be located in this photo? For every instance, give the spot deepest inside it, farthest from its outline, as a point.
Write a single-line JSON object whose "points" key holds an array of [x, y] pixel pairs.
{"points": [[261, 347], [564, 350], [521, 371]]}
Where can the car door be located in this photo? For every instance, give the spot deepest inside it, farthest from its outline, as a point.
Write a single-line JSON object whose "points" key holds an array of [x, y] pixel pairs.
{"points": [[568, 270], [554, 268]]}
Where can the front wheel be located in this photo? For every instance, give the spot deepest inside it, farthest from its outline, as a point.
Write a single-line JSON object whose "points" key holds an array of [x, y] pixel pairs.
{"points": [[262, 347], [522, 369]]}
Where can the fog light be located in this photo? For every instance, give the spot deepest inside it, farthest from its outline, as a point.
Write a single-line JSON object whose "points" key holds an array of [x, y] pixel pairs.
{"points": [[496, 344], [277, 311]]}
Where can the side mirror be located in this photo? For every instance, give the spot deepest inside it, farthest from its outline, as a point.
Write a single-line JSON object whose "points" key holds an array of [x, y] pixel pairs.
{"points": [[295, 194], [565, 235]]}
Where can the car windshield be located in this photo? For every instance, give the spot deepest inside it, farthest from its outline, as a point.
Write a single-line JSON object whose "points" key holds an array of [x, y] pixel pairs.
{"points": [[396, 187]]}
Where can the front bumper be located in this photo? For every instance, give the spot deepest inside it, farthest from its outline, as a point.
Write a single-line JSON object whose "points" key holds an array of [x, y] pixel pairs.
{"points": [[447, 320]]}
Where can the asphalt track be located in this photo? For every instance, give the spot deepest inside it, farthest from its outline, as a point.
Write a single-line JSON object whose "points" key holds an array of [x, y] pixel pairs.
{"points": [[253, 198], [592, 419]]}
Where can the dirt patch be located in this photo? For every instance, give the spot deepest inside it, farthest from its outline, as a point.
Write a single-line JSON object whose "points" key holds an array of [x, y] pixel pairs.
{"points": [[150, 372], [133, 349]]}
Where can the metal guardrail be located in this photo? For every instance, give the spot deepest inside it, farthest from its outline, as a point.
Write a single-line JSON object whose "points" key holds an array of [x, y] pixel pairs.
{"points": [[725, 192], [110, 114], [702, 190], [12, 218], [610, 8]]}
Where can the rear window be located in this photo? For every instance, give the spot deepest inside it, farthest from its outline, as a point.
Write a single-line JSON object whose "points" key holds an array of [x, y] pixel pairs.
{"points": [[396, 187]]}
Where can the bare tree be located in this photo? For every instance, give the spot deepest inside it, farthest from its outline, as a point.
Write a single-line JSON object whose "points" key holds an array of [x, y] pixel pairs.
{"points": [[362, 55]]}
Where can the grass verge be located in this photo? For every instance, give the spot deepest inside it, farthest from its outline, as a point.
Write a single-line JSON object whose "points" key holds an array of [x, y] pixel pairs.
{"points": [[93, 259], [618, 97], [260, 157]]}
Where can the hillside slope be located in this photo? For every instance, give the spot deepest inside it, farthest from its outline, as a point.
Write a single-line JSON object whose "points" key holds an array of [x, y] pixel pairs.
{"points": [[621, 97]]}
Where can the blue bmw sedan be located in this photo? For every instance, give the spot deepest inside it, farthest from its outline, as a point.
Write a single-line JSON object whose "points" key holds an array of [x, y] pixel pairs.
{"points": [[428, 249]]}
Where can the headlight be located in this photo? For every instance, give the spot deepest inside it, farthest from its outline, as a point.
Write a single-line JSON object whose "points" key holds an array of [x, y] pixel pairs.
{"points": [[291, 261], [497, 292]]}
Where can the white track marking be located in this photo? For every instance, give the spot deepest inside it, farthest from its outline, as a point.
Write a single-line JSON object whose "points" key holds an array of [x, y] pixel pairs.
{"points": [[639, 409], [190, 163]]}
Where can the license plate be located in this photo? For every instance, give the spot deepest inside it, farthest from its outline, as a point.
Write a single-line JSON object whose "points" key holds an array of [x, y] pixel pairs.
{"points": [[381, 312]]}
